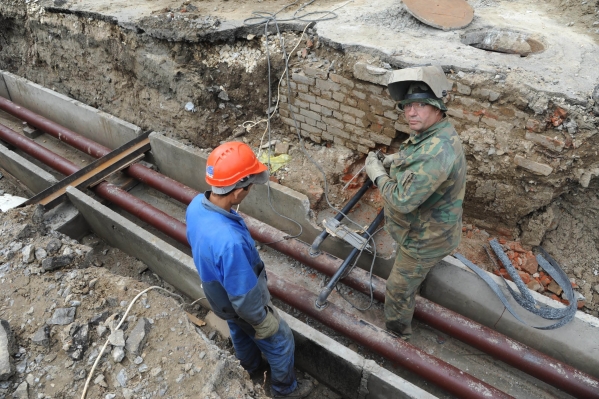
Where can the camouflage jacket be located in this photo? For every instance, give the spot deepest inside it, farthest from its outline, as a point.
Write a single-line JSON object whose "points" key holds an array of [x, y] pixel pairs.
{"points": [[424, 193]]}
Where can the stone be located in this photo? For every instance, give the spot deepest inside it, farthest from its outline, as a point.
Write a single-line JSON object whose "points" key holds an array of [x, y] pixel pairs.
{"points": [[40, 254], [7, 350], [281, 148], [100, 380], [530, 264], [117, 338], [547, 142], [28, 254], [80, 341], [138, 337], [122, 378], [26, 231], [53, 246], [532, 166], [63, 316], [56, 262], [534, 285], [555, 288], [372, 74], [22, 391], [42, 336], [596, 288], [118, 354], [99, 318]]}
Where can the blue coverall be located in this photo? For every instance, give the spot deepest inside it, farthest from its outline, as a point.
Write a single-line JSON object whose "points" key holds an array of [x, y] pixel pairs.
{"points": [[234, 281]]}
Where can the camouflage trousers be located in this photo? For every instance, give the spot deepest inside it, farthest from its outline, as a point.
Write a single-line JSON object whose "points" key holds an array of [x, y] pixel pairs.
{"points": [[402, 285]]}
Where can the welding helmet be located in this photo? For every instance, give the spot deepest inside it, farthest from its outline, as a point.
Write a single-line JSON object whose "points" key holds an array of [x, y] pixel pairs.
{"points": [[422, 84], [233, 165]]}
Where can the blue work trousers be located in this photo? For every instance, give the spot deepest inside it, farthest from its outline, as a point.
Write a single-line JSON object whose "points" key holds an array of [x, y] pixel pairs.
{"points": [[278, 350]]}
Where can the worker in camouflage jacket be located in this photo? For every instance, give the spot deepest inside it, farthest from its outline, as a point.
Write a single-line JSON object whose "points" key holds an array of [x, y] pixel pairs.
{"points": [[423, 189]]}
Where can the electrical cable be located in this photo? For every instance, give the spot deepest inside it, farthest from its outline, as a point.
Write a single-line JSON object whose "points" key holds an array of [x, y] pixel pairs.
{"points": [[91, 373]]}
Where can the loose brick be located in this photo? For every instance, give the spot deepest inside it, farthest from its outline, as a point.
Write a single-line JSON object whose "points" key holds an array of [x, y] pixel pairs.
{"points": [[310, 114], [381, 139], [341, 80], [333, 122], [358, 94], [303, 88], [310, 122], [547, 142], [316, 138], [535, 167], [391, 115], [351, 145], [463, 89], [316, 73], [349, 119], [363, 149], [306, 80], [328, 103], [337, 132], [352, 111], [327, 85], [339, 97], [306, 97]]}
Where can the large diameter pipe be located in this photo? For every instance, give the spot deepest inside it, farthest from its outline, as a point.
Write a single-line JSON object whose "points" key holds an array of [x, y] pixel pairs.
{"points": [[37, 151], [485, 339], [429, 367], [481, 337], [60, 132]]}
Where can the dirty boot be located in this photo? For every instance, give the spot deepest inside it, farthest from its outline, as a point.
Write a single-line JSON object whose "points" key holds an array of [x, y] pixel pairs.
{"points": [[400, 330], [304, 388]]}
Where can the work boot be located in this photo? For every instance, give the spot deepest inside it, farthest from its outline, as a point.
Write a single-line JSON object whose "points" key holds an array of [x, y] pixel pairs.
{"points": [[304, 388], [400, 330]]}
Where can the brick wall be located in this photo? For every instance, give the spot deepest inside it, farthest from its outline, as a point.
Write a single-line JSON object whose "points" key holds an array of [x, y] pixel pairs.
{"points": [[329, 107]]}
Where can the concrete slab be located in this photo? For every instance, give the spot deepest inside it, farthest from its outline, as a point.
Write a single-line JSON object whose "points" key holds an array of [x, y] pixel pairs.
{"points": [[103, 128], [172, 265], [453, 285], [31, 175], [3, 89]]}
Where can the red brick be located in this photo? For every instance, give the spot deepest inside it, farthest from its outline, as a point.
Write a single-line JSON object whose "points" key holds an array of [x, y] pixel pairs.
{"points": [[525, 277], [530, 264]]}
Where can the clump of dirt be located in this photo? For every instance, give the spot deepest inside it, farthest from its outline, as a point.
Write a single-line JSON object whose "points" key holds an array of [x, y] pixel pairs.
{"points": [[61, 318]]}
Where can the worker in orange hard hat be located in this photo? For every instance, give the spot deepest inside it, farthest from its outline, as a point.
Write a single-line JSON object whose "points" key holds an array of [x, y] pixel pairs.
{"points": [[233, 275]]}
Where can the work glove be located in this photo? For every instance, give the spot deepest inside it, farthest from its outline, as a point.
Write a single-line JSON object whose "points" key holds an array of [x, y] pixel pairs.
{"points": [[374, 167], [389, 160], [268, 327]]}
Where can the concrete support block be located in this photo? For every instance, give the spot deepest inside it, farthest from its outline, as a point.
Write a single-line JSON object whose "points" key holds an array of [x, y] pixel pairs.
{"points": [[371, 73], [66, 219], [31, 175], [172, 265], [103, 128], [32, 133], [7, 350], [454, 286]]}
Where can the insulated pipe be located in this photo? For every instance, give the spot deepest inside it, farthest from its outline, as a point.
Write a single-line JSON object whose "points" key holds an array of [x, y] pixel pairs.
{"points": [[444, 375], [314, 251], [37, 151], [555, 373]]}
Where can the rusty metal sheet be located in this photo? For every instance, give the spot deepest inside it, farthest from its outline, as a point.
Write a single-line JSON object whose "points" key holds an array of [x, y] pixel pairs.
{"points": [[441, 14]]}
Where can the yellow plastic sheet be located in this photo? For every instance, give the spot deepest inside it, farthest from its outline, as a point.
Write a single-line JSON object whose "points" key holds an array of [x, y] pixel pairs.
{"points": [[275, 163]]}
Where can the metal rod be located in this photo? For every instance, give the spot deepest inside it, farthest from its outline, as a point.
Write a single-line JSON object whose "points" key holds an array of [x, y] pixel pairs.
{"points": [[326, 291], [341, 215], [537, 364]]}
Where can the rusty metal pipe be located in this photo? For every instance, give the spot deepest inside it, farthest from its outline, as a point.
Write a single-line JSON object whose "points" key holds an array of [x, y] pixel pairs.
{"points": [[380, 341], [483, 338], [60, 132], [37, 151]]}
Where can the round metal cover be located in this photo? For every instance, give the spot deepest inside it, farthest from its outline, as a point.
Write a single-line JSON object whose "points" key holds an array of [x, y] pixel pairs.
{"points": [[441, 14]]}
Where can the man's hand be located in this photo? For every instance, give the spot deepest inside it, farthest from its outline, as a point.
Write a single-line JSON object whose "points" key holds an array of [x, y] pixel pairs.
{"points": [[389, 160], [374, 167], [268, 327]]}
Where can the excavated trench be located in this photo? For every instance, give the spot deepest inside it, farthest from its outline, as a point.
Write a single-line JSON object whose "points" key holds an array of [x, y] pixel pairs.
{"points": [[532, 161]]}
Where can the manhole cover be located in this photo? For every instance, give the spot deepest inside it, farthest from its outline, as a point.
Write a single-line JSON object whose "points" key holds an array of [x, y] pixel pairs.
{"points": [[441, 14]]}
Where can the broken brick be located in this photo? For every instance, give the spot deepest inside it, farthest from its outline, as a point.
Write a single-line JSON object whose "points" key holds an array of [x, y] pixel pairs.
{"points": [[525, 277], [545, 280], [530, 264], [555, 288], [580, 304], [534, 285]]}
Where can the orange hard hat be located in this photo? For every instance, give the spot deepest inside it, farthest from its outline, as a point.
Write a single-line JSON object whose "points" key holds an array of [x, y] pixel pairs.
{"points": [[230, 162]]}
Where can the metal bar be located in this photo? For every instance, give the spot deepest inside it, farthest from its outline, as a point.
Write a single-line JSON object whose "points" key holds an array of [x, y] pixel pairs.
{"points": [[382, 342], [37, 151], [94, 172], [340, 216], [326, 291]]}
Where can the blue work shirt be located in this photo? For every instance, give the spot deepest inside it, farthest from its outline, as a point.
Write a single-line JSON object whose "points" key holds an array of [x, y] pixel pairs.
{"points": [[224, 253]]}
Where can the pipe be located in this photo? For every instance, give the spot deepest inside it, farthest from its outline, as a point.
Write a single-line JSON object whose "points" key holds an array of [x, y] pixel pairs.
{"points": [[326, 291], [30, 147], [382, 342], [314, 251], [557, 374], [485, 339]]}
